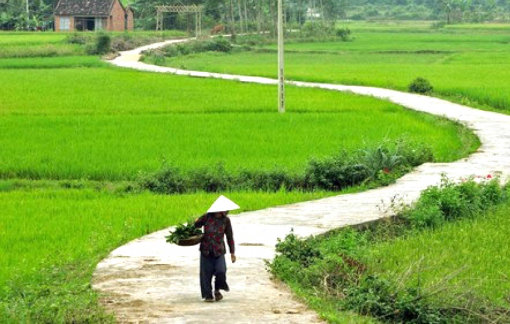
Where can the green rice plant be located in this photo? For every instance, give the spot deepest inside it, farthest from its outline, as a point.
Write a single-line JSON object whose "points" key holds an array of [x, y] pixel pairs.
{"points": [[51, 62], [406, 270], [51, 240], [134, 121], [41, 50], [462, 63]]}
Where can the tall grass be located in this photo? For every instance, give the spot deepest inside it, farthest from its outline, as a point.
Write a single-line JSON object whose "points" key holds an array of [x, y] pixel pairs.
{"points": [[442, 260], [475, 253]]}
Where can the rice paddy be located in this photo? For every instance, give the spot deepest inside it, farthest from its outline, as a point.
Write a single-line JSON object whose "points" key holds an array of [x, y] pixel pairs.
{"points": [[110, 124], [472, 253], [465, 64], [67, 116]]}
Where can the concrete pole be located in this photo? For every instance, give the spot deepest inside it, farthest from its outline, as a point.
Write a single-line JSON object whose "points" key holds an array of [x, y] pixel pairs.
{"points": [[28, 15], [281, 80]]}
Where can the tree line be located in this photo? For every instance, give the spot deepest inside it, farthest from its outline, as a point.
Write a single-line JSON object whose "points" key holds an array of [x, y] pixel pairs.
{"points": [[260, 15]]}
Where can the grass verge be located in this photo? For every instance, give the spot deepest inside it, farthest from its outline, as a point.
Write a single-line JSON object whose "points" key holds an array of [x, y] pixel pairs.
{"points": [[432, 263]]}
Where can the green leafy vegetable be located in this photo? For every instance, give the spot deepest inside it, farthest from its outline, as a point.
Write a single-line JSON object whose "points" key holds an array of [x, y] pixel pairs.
{"points": [[183, 231]]}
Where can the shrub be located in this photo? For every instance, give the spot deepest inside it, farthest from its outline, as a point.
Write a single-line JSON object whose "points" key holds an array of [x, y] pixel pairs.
{"points": [[183, 48], [343, 33], [253, 40], [378, 298], [303, 252], [271, 180], [158, 58], [76, 38], [122, 43], [451, 201], [210, 180], [335, 173], [380, 158], [420, 85], [170, 51], [102, 44], [219, 44], [438, 24], [382, 164], [414, 153], [167, 179], [316, 29]]}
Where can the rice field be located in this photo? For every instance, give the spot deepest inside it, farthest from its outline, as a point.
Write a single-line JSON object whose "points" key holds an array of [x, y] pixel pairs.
{"points": [[111, 124], [473, 253], [55, 44], [466, 64], [72, 118], [51, 239]]}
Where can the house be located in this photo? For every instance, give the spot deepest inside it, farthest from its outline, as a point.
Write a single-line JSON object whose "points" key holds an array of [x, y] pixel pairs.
{"points": [[83, 15]]}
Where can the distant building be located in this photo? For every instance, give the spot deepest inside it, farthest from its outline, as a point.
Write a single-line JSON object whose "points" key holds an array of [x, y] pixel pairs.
{"points": [[83, 15]]}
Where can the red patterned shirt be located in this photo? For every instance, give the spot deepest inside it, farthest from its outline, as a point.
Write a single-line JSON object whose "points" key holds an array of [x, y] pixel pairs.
{"points": [[214, 230]]}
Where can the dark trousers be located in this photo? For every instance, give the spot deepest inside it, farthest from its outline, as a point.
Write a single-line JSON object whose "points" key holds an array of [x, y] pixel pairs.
{"points": [[212, 266]]}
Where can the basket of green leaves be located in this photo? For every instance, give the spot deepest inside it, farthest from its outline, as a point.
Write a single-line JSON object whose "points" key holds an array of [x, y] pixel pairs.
{"points": [[185, 234]]}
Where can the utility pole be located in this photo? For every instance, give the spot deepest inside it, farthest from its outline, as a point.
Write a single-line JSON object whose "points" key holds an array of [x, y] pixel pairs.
{"points": [[28, 16], [281, 81], [232, 22]]}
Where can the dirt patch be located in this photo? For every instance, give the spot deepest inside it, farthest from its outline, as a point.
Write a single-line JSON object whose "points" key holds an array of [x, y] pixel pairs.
{"points": [[117, 275], [251, 244], [157, 266]]}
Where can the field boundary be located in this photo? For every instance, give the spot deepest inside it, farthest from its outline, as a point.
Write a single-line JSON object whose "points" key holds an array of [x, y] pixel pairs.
{"points": [[148, 280]]}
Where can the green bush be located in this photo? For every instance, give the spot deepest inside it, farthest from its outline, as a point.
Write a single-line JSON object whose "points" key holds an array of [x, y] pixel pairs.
{"points": [[210, 179], [382, 164], [219, 44], [304, 252], [316, 28], [451, 201], [101, 45], [76, 38], [123, 42], [343, 33], [378, 298], [335, 173], [420, 85], [268, 180], [167, 179]]}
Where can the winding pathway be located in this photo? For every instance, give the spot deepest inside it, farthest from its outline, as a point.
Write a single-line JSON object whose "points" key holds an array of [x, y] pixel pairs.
{"points": [[150, 281]]}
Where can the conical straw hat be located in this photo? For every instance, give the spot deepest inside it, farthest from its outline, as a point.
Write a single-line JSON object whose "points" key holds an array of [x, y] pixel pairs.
{"points": [[222, 204]]}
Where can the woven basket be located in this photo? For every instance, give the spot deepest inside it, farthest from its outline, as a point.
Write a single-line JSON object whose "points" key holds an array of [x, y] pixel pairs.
{"points": [[192, 240]]}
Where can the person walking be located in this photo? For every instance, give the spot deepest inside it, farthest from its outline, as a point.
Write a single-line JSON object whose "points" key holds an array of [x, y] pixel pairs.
{"points": [[216, 225]]}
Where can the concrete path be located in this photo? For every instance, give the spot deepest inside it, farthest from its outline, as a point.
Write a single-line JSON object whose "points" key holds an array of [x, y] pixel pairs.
{"points": [[150, 281]]}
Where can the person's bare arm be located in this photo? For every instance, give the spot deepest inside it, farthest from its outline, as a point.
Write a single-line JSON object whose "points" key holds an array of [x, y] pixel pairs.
{"points": [[230, 240]]}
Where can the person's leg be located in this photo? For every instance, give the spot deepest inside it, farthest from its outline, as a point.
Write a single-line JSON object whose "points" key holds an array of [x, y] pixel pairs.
{"points": [[206, 273], [220, 267]]}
